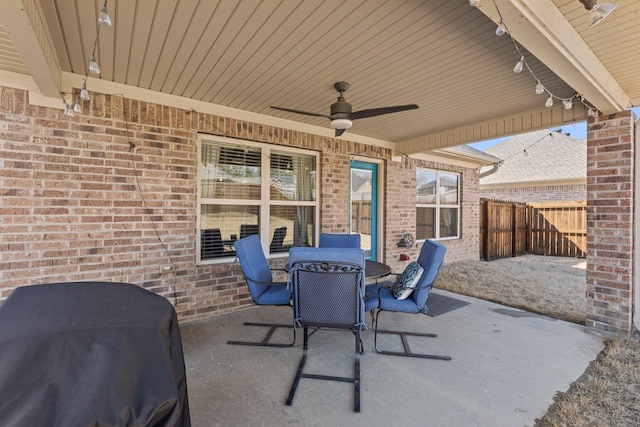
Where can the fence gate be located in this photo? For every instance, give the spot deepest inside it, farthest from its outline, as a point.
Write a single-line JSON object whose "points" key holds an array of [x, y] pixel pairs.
{"points": [[503, 229]]}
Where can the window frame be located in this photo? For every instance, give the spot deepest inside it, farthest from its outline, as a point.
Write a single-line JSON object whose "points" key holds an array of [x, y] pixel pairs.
{"points": [[438, 205], [264, 203]]}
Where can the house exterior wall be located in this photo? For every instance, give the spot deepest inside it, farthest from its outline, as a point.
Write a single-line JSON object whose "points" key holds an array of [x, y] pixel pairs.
{"points": [[96, 197], [610, 222], [546, 193]]}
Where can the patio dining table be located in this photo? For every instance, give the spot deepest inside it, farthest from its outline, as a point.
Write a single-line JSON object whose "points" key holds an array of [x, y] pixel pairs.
{"points": [[372, 269], [376, 270], [90, 353]]}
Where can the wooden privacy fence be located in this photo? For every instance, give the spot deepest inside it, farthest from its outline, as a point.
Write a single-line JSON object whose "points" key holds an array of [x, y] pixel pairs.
{"points": [[551, 228]]}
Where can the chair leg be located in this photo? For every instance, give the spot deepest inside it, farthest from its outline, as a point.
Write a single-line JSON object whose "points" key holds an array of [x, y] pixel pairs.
{"points": [[265, 341], [355, 380], [296, 380], [356, 372], [403, 336]]}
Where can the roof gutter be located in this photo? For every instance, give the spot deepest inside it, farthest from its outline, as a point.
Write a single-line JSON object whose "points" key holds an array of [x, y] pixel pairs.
{"points": [[491, 171]]}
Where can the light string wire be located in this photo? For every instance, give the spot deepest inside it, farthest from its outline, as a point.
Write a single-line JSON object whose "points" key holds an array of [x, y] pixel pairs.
{"points": [[524, 150], [75, 106], [148, 210], [540, 88], [105, 20]]}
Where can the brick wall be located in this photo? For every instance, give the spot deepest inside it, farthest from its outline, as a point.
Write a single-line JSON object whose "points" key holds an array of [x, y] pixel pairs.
{"points": [[400, 193], [95, 197], [547, 193], [610, 188]]}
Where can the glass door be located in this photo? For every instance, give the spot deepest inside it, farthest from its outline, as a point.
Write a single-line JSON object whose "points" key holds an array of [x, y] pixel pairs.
{"points": [[364, 205]]}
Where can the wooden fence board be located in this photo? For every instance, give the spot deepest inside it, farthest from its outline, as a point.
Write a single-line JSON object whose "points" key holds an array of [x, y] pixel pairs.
{"points": [[512, 229], [558, 229]]}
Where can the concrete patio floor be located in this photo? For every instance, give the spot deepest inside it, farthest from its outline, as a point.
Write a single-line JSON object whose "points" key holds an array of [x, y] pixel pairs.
{"points": [[507, 366]]}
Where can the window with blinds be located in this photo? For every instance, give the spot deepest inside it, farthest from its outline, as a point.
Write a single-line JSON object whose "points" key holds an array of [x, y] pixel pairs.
{"points": [[437, 204], [247, 188]]}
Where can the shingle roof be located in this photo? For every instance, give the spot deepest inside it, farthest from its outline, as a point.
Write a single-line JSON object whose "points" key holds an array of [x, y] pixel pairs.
{"points": [[539, 156]]}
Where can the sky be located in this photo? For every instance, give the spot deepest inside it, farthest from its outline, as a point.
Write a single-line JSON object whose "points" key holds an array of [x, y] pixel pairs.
{"points": [[576, 130]]}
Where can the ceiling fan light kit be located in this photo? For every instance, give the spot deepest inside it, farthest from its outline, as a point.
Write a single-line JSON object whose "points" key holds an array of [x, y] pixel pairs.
{"points": [[341, 123], [341, 114]]}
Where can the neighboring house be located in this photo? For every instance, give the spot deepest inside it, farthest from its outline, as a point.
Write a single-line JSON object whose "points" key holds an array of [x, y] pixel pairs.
{"points": [[540, 166]]}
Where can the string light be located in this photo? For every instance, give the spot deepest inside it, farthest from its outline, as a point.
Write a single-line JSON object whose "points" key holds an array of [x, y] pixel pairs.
{"points": [[104, 20], [522, 63], [549, 102], [501, 29], [84, 93], [519, 65], [568, 104], [93, 65], [68, 110]]}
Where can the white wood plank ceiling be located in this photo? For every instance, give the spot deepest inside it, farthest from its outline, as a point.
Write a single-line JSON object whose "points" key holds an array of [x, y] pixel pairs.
{"points": [[440, 54]]}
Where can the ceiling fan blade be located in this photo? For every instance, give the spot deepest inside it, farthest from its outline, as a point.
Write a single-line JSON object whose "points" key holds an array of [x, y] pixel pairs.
{"points": [[339, 132], [380, 111], [291, 110]]}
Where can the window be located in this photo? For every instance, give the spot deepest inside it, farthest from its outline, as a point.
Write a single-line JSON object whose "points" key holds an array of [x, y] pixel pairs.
{"points": [[249, 188], [437, 204]]}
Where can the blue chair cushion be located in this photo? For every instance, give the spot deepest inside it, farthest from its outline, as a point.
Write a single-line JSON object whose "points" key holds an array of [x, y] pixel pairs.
{"points": [[404, 285], [275, 295], [333, 240], [371, 299], [389, 302]]}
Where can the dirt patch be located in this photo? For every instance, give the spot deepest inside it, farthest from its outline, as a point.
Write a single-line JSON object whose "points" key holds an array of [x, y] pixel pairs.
{"points": [[552, 286]]}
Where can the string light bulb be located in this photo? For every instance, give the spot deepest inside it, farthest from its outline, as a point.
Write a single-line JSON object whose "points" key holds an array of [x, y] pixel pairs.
{"points": [[549, 102], [474, 3], [84, 93], [540, 88], [501, 29], [104, 20], [93, 65], [77, 108], [519, 66], [68, 110]]}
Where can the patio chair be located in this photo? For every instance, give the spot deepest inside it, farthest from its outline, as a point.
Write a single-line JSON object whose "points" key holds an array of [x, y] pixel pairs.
{"points": [[211, 245], [277, 241], [392, 298], [335, 240], [262, 288], [247, 230], [328, 288]]}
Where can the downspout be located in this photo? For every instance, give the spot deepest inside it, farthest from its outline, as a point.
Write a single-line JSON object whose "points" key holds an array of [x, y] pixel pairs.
{"points": [[636, 243], [493, 170]]}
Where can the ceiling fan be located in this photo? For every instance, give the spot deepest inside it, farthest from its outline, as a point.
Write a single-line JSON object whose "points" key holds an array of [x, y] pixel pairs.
{"points": [[341, 115]]}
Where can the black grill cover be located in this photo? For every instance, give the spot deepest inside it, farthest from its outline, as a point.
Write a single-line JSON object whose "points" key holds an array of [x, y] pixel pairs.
{"points": [[90, 354]]}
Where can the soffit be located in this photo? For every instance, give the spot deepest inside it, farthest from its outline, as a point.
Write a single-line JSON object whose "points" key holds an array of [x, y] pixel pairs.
{"points": [[440, 54]]}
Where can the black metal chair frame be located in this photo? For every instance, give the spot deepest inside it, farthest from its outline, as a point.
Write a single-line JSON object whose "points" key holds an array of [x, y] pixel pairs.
{"points": [[272, 328], [330, 268], [403, 336]]}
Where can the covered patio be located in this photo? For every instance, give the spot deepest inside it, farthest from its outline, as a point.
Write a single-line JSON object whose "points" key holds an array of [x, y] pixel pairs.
{"points": [[121, 176], [507, 365]]}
